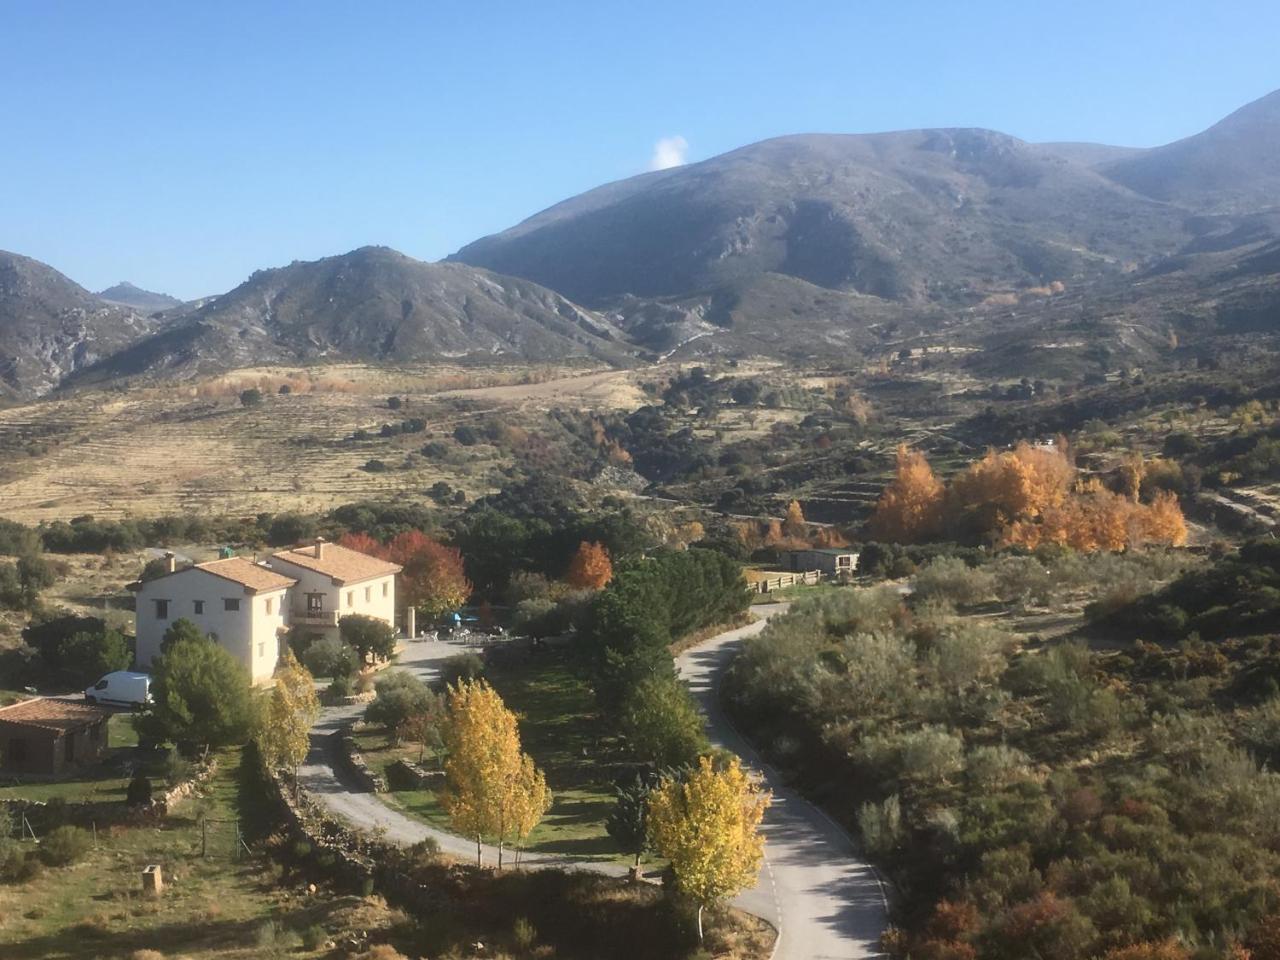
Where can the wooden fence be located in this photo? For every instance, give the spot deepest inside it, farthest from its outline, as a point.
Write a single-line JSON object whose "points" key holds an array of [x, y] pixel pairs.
{"points": [[784, 580]]}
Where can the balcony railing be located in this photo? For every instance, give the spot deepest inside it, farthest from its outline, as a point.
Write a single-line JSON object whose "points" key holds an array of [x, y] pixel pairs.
{"points": [[314, 618]]}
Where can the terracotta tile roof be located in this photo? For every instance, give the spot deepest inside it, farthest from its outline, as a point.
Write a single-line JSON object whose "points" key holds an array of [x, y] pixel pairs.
{"points": [[54, 714], [247, 573], [341, 563]]}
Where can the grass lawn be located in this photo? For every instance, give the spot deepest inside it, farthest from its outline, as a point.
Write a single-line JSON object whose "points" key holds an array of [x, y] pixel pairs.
{"points": [[215, 907], [560, 728]]}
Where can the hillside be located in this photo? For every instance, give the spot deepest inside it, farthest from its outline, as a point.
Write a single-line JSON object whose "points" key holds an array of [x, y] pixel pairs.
{"points": [[921, 217], [51, 327], [127, 295], [370, 304], [1231, 168]]}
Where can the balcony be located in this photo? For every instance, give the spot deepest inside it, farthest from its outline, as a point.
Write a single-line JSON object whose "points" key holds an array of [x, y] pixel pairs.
{"points": [[314, 618]]}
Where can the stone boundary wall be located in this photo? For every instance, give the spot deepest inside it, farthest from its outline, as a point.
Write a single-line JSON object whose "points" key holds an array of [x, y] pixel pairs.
{"points": [[353, 762], [47, 814]]}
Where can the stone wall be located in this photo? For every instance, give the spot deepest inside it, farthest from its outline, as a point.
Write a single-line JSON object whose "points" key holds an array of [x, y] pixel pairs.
{"points": [[44, 815], [353, 763]]}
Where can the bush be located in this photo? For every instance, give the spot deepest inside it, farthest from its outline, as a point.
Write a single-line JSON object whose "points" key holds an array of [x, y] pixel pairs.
{"points": [[65, 845], [330, 657], [462, 666], [139, 791], [251, 397], [400, 695], [177, 768], [950, 578], [342, 685]]}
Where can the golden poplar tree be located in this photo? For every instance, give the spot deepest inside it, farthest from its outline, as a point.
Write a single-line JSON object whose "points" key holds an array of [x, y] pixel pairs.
{"points": [[910, 509], [590, 568], [491, 787], [794, 524], [708, 827], [285, 721]]}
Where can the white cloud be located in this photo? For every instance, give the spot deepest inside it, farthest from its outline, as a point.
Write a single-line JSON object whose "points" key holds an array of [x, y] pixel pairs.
{"points": [[669, 152]]}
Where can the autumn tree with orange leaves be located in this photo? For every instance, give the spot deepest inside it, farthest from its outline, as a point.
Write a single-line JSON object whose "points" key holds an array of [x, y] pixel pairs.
{"points": [[433, 581], [910, 509], [590, 568], [1024, 497]]}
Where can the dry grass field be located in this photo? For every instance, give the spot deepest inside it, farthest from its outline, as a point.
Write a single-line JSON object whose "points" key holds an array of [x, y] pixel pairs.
{"points": [[193, 447]]}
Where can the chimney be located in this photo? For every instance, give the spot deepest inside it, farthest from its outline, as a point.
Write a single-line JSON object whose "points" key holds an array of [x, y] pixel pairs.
{"points": [[170, 562], [319, 548]]}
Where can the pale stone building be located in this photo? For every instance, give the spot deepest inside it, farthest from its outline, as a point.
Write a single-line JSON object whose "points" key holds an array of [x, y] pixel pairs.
{"points": [[333, 581], [243, 605]]}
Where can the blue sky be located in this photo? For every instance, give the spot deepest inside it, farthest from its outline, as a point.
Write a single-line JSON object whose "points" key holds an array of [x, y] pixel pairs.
{"points": [[182, 146]]}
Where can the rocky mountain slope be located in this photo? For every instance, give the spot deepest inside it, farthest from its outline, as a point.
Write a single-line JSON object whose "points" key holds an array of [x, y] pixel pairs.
{"points": [[806, 244], [370, 304], [51, 327], [1231, 168], [125, 294], [928, 216]]}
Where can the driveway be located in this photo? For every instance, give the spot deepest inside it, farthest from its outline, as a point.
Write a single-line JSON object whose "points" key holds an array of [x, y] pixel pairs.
{"points": [[826, 902], [348, 801]]}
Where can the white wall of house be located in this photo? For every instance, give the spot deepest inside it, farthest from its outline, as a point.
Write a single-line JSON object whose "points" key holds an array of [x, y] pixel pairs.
{"points": [[375, 597], [246, 624]]}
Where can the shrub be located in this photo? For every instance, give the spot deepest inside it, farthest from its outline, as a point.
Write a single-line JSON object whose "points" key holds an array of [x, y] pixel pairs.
{"points": [[64, 845], [462, 666], [341, 685], [251, 397], [400, 695], [139, 791], [880, 825], [523, 934], [330, 657], [950, 578], [177, 768]]}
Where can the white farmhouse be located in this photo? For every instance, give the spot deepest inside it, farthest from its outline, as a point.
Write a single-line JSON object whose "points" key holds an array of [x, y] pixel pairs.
{"points": [[241, 604], [333, 581]]}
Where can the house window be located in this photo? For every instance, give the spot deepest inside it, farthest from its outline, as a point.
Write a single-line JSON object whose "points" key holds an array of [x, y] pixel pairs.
{"points": [[271, 603], [162, 609], [351, 598], [199, 606], [315, 603], [368, 594], [385, 587], [262, 649], [230, 604]]}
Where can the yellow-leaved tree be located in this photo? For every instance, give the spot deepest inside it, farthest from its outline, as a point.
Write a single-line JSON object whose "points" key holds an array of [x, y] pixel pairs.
{"points": [[793, 524], [708, 826], [492, 789], [285, 720], [910, 509], [529, 802]]}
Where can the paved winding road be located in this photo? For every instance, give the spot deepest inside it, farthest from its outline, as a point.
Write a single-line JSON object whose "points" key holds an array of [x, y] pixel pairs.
{"points": [[826, 903]]}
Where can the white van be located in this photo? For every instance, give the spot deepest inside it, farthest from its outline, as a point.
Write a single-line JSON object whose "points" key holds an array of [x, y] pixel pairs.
{"points": [[121, 687]]}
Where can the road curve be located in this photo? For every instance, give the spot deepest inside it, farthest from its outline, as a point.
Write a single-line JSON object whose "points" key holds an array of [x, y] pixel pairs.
{"points": [[826, 902]]}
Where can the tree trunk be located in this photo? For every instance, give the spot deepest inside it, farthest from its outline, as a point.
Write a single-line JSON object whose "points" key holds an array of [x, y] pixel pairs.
{"points": [[699, 923], [499, 854], [479, 862]]}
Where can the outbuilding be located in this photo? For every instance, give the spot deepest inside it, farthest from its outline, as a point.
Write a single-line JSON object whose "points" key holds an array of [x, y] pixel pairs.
{"points": [[832, 561], [49, 736]]}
